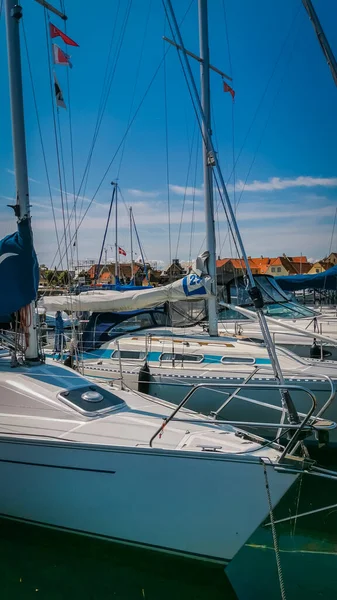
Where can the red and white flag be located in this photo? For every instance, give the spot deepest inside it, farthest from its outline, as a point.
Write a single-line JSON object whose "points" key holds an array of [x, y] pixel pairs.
{"points": [[56, 32], [60, 57], [227, 88], [121, 251]]}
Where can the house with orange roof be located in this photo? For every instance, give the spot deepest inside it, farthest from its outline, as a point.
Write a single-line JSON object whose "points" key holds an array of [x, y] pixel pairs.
{"points": [[107, 273], [228, 268]]}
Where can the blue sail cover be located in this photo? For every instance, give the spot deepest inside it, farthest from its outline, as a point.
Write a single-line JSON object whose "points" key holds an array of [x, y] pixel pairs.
{"points": [[319, 281], [19, 269]]}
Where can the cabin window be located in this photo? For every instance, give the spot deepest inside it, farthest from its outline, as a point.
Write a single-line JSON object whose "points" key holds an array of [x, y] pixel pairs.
{"points": [[160, 318], [242, 360], [131, 354], [133, 324], [179, 357]]}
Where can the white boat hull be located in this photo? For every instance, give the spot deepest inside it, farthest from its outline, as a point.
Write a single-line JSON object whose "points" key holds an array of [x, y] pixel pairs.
{"points": [[149, 497]]}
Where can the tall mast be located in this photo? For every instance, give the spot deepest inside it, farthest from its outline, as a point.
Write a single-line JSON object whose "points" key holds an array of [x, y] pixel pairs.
{"points": [[254, 292], [131, 244], [13, 15], [208, 162], [329, 55]]}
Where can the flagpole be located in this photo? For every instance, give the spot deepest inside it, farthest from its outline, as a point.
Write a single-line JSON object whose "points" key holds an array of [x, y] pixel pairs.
{"points": [[13, 14]]}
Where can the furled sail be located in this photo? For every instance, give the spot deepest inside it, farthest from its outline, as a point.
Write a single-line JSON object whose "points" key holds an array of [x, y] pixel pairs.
{"points": [[19, 270], [191, 286]]}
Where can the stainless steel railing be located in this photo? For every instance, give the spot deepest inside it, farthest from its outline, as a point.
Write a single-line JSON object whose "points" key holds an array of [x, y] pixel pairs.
{"points": [[304, 426]]}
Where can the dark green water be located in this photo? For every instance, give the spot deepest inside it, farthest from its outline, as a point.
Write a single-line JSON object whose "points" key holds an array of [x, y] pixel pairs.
{"points": [[40, 563]]}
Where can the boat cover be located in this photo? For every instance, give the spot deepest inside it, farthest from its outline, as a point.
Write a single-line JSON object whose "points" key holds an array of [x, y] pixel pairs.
{"points": [[318, 281], [191, 286]]}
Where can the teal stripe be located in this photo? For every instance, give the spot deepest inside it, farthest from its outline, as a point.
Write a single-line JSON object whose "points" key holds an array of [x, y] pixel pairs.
{"points": [[105, 353]]}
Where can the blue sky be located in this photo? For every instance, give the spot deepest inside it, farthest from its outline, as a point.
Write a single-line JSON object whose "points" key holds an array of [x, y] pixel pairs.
{"points": [[289, 156]]}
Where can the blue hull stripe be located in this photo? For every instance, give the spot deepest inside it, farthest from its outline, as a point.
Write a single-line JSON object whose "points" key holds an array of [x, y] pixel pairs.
{"points": [[105, 353]]}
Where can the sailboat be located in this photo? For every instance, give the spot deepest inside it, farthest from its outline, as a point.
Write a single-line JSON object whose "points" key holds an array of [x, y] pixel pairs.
{"points": [[172, 361], [116, 464]]}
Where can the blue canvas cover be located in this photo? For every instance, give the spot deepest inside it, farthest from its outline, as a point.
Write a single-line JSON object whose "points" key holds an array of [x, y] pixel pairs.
{"points": [[19, 269], [319, 281]]}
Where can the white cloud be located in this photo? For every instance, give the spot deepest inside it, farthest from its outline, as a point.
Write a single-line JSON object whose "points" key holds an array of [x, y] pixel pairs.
{"points": [[277, 183], [11, 172], [182, 190], [143, 194]]}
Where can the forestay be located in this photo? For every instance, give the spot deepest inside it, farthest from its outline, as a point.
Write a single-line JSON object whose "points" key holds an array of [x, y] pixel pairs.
{"points": [[191, 286]]}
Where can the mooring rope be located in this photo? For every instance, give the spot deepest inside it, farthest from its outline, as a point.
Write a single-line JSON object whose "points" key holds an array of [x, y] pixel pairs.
{"points": [[275, 540]]}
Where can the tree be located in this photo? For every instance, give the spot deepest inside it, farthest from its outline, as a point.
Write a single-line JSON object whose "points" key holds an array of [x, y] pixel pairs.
{"points": [[51, 277]]}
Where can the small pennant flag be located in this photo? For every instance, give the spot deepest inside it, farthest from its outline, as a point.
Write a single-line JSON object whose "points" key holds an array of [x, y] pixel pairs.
{"points": [[227, 88], [55, 32], [121, 251], [60, 57], [58, 94]]}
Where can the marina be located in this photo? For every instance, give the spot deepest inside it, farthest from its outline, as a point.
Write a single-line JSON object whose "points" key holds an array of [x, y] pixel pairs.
{"points": [[160, 436]]}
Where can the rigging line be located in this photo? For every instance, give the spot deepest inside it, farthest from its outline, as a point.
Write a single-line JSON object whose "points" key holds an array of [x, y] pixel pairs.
{"points": [[193, 202], [105, 234], [46, 20], [140, 246], [107, 93], [101, 110], [195, 99], [136, 81], [266, 124], [225, 209], [266, 88], [104, 93], [233, 104], [40, 135], [67, 221], [185, 192], [332, 233], [71, 147], [101, 102], [167, 153], [258, 109], [128, 128], [331, 241]]}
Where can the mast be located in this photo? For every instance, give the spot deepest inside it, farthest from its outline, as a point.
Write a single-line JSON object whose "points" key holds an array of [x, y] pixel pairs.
{"points": [[13, 15], [208, 162], [254, 292], [329, 55], [131, 244]]}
